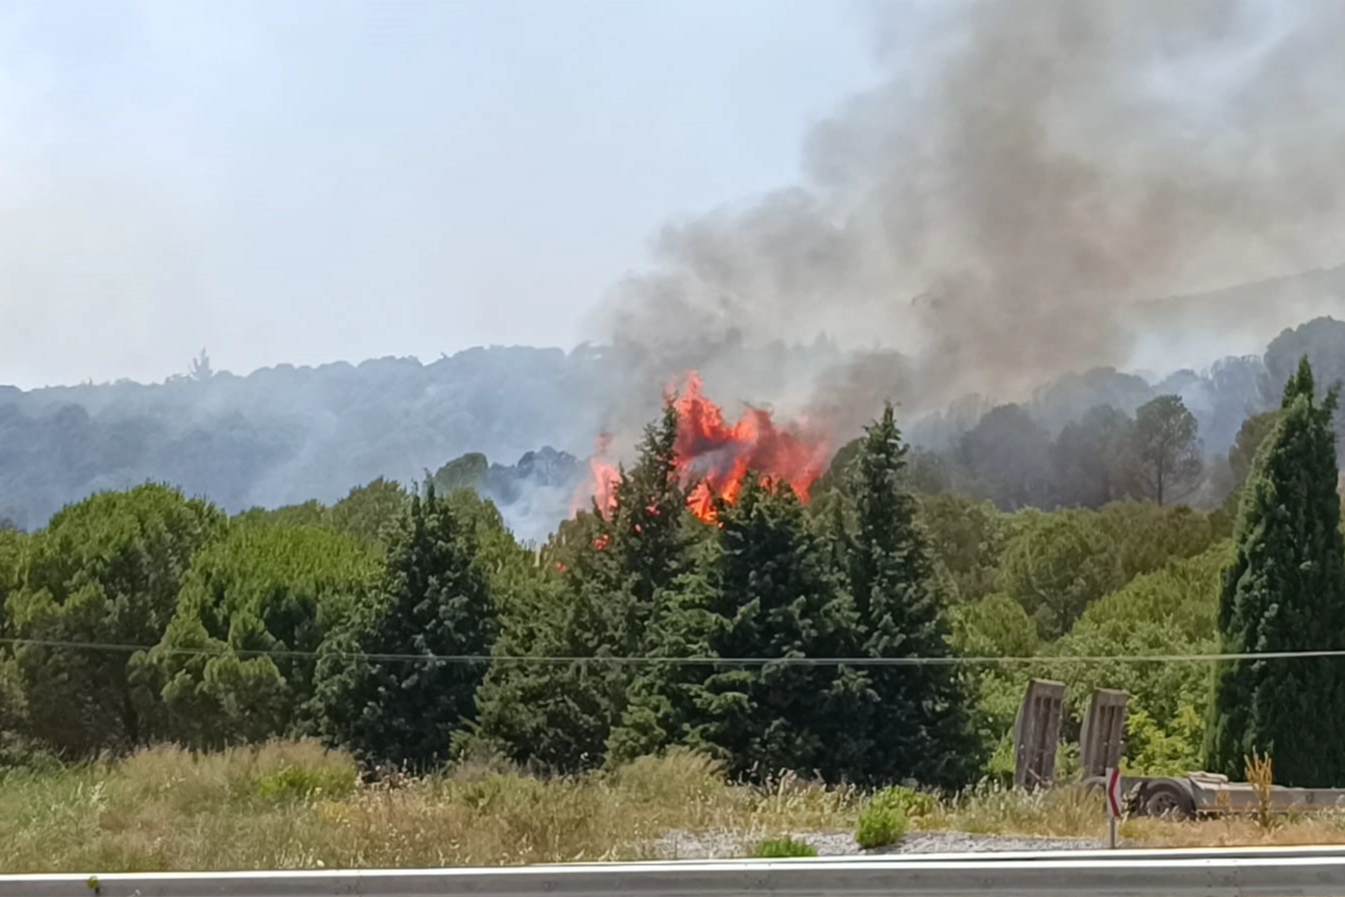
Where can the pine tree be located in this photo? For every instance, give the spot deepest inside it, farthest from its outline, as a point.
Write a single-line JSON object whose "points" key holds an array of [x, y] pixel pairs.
{"points": [[434, 601], [616, 569], [762, 589], [1166, 444], [556, 717], [920, 725], [1285, 591], [662, 708], [778, 596], [649, 537], [108, 569]]}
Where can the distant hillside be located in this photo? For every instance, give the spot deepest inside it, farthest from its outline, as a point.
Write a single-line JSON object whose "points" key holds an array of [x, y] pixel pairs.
{"points": [[1237, 320], [287, 434]]}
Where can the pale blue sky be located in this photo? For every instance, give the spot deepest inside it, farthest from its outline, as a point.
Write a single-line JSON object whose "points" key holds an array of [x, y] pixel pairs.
{"points": [[308, 180]]}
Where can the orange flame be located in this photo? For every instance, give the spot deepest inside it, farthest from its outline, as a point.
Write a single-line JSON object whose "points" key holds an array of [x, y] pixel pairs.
{"points": [[716, 455], [603, 479]]}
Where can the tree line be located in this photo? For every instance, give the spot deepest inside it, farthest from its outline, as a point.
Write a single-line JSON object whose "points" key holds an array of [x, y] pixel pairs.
{"points": [[1010, 458], [287, 434], [412, 628]]}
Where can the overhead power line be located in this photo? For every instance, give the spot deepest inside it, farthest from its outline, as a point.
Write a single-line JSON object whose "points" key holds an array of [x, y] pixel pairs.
{"points": [[703, 660]]}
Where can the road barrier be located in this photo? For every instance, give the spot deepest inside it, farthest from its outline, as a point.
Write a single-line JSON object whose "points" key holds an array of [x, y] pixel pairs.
{"points": [[1237, 873]]}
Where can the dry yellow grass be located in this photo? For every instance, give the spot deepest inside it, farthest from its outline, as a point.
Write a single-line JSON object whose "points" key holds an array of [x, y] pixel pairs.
{"points": [[294, 805], [290, 806], [993, 810], [1318, 829], [1075, 812]]}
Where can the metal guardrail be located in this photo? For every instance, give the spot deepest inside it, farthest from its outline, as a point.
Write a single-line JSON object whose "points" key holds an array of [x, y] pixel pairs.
{"points": [[1237, 873]]}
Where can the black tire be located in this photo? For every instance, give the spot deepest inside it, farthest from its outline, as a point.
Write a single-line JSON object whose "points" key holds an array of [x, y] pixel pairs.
{"points": [[1166, 800]]}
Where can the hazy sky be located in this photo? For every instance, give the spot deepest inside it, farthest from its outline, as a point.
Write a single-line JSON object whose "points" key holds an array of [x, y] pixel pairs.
{"points": [[301, 181]]}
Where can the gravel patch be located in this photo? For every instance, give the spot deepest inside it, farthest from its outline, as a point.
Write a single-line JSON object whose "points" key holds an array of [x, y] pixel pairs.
{"points": [[728, 844], [960, 842]]}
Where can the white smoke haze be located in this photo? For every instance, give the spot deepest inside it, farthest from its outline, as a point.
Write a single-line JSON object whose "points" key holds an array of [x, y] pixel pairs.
{"points": [[1000, 208], [1234, 321]]}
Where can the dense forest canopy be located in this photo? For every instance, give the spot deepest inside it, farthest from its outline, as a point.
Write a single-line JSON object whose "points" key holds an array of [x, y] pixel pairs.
{"points": [[411, 627]]}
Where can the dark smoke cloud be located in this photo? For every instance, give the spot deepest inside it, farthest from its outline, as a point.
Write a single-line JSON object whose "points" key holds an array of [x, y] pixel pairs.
{"points": [[1027, 172]]}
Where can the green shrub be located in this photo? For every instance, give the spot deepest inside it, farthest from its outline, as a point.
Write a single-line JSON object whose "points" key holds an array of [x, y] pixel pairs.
{"points": [[884, 821], [500, 792], [302, 782], [18, 753], [680, 775], [1170, 750], [914, 803], [782, 848]]}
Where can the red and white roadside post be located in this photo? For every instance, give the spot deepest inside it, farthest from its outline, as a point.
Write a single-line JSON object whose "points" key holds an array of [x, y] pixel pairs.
{"points": [[1113, 803]]}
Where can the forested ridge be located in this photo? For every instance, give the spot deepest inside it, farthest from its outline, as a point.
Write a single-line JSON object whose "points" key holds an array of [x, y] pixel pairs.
{"points": [[285, 435], [412, 628]]}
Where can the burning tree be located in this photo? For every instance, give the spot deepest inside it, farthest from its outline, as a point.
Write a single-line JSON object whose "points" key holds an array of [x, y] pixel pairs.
{"points": [[768, 585], [763, 587], [712, 457], [640, 577]]}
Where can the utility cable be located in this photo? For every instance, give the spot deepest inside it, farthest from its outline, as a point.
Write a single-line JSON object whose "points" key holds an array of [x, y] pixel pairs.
{"points": [[694, 660]]}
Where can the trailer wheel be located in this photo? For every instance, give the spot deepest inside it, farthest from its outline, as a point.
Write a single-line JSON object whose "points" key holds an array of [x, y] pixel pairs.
{"points": [[1167, 800]]}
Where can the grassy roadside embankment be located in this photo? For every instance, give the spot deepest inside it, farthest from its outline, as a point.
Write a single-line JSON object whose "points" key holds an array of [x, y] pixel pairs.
{"points": [[293, 805]]}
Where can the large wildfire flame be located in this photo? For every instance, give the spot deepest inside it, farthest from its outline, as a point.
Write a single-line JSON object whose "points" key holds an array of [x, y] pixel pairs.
{"points": [[714, 457]]}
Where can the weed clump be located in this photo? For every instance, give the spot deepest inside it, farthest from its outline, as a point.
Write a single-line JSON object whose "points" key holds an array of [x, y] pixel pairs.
{"points": [[883, 821], [305, 782], [783, 848], [1261, 776]]}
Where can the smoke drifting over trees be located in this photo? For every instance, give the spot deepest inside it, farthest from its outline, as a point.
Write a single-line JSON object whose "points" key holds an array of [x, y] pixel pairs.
{"points": [[287, 435], [1027, 173]]}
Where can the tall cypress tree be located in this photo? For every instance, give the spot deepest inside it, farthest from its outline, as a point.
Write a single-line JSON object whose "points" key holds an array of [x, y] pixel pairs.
{"points": [[920, 724], [614, 570], [777, 595], [434, 601], [664, 705], [1285, 591], [764, 588], [548, 716], [648, 537]]}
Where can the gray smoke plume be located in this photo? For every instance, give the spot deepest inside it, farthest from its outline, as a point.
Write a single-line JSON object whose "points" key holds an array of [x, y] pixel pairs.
{"points": [[994, 211]]}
